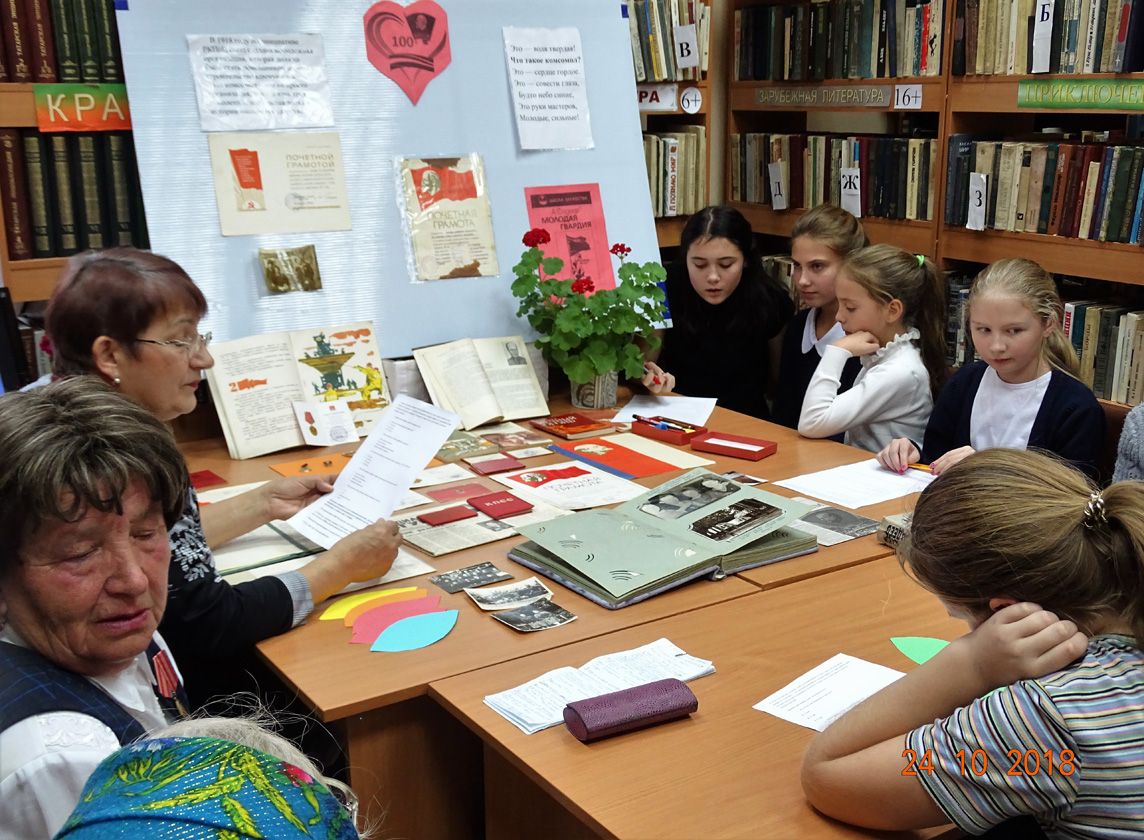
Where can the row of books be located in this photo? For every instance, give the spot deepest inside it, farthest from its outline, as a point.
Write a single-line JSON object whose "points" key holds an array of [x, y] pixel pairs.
{"points": [[677, 170], [1002, 37], [1108, 339], [895, 174], [1081, 190], [653, 25], [64, 193], [59, 41], [838, 39]]}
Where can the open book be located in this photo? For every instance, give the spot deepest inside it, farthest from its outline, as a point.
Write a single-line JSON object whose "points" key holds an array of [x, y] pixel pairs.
{"points": [[483, 380], [255, 380], [697, 525]]}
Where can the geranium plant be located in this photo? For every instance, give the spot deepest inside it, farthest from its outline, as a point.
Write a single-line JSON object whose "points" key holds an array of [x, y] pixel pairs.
{"points": [[585, 331]]}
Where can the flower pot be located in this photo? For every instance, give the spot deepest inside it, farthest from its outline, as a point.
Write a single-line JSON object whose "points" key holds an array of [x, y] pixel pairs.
{"points": [[598, 392]]}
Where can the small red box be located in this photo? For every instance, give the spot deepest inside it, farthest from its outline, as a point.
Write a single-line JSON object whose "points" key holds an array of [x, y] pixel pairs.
{"points": [[643, 428], [735, 446]]}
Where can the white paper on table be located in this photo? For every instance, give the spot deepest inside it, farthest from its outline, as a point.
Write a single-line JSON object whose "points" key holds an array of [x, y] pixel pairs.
{"points": [[383, 468], [411, 498], [850, 527], [695, 410], [570, 485], [824, 694], [530, 452], [858, 485], [442, 475], [406, 565], [539, 703]]}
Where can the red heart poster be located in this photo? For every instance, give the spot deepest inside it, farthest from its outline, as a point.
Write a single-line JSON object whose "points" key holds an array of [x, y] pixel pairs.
{"points": [[409, 44]]}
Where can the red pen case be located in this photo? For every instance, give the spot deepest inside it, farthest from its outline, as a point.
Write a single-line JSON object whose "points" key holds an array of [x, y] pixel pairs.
{"points": [[676, 436], [734, 446]]}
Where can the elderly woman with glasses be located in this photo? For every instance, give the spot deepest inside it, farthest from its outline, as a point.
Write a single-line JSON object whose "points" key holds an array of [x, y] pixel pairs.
{"points": [[91, 482], [132, 318]]}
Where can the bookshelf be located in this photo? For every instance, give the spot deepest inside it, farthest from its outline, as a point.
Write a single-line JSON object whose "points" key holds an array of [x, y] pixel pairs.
{"points": [[31, 279], [986, 106], [862, 105], [712, 88]]}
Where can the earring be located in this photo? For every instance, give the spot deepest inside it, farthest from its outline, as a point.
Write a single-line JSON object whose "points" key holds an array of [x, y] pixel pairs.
{"points": [[116, 381]]}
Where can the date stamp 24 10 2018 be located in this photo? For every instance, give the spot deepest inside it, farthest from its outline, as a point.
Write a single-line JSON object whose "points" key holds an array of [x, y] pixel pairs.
{"points": [[976, 762]]}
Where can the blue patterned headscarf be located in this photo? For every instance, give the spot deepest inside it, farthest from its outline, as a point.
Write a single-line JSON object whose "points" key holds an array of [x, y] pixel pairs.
{"points": [[190, 788]]}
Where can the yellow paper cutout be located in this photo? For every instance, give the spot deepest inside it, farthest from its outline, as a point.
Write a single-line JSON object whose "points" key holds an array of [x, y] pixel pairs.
{"points": [[339, 608], [392, 598]]}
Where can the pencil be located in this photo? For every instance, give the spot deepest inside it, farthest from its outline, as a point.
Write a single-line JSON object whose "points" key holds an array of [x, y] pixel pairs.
{"points": [[922, 467]]}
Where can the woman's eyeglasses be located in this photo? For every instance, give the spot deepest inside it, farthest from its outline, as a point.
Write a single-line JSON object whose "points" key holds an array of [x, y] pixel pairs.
{"points": [[195, 345]]}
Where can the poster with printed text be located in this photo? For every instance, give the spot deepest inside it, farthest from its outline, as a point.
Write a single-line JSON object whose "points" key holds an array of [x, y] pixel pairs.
{"points": [[287, 182], [574, 218], [447, 217], [549, 89]]}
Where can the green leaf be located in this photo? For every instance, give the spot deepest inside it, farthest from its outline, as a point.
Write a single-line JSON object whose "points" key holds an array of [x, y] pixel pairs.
{"points": [[579, 370], [552, 265]]}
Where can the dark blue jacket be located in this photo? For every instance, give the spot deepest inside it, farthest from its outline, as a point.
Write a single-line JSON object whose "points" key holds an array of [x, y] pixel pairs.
{"points": [[1070, 422]]}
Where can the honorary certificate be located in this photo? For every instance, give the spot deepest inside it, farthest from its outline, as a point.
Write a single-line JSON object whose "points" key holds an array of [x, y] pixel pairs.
{"points": [[447, 216]]}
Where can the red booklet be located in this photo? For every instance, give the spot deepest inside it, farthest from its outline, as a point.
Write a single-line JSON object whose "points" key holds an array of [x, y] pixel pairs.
{"points": [[499, 505], [489, 464], [447, 515], [616, 459], [573, 426]]}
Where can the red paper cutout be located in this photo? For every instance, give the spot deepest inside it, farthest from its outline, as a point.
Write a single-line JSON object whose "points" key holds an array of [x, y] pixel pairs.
{"points": [[370, 624], [409, 44]]}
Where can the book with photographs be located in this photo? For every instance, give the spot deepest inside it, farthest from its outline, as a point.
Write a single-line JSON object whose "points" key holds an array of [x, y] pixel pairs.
{"points": [[700, 524], [256, 380], [482, 380]]}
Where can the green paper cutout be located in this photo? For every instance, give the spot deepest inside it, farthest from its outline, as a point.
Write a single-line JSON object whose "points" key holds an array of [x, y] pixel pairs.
{"points": [[920, 649]]}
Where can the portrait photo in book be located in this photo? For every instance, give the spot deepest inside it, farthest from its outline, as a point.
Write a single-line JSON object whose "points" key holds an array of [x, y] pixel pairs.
{"points": [[684, 499]]}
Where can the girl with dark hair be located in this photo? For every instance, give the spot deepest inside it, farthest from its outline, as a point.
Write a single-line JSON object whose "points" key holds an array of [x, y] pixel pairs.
{"points": [[727, 317]]}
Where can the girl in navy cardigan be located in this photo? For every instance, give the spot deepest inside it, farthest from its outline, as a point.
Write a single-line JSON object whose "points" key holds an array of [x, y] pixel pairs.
{"points": [[1024, 393]]}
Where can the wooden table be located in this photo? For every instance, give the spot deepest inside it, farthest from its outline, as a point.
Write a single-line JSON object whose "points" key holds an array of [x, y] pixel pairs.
{"points": [[728, 771], [408, 757]]}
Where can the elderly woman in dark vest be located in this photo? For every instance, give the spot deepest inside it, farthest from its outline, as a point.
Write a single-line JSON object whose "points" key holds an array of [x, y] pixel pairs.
{"points": [[90, 484]]}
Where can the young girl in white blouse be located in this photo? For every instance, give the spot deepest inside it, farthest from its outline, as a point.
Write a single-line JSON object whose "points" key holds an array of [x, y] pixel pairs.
{"points": [[891, 304]]}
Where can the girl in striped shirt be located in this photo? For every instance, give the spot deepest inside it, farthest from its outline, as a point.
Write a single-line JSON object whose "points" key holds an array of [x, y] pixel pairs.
{"points": [[1039, 711]]}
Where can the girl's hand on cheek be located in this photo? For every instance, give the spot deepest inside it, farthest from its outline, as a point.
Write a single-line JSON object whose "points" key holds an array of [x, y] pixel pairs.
{"points": [[861, 343]]}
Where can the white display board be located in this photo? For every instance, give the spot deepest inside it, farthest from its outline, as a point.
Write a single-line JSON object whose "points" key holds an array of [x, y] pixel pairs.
{"points": [[467, 108]]}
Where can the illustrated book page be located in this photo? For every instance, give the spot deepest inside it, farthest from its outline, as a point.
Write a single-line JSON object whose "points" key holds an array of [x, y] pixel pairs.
{"points": [[255, 380]]}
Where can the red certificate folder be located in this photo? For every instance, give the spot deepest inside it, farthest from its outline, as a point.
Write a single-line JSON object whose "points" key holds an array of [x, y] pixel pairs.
{"points": [[499, 505], [447, 515], [735, 446]]}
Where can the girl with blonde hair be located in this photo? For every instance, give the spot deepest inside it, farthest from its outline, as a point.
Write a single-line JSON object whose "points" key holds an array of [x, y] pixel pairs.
{"points": [[1039, 711], [1023, 393]]}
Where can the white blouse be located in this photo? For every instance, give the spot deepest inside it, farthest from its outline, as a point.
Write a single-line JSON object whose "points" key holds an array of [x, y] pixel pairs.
{"points": [[890, 398], [45, 760]]}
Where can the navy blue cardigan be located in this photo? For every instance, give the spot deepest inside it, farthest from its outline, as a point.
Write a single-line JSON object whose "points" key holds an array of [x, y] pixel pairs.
{"points": [[1070, 422]]}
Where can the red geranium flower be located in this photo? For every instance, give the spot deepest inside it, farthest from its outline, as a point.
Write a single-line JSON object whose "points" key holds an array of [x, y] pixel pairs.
{"points": [[584, 286], [536, 237], [621, 250]]}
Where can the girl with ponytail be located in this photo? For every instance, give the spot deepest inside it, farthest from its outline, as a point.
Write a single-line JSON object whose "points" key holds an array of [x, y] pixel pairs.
{"points": [[1023, 393], [891, 305], [1039, 710]]}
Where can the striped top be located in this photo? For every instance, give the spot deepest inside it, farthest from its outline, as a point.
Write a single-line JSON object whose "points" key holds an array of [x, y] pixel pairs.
{"points": [[991, 759]]}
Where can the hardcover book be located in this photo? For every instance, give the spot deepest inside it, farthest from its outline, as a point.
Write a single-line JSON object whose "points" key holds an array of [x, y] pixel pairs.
{"points": [[697, 525], [255, 381], [483, 380], [573, 426]]}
